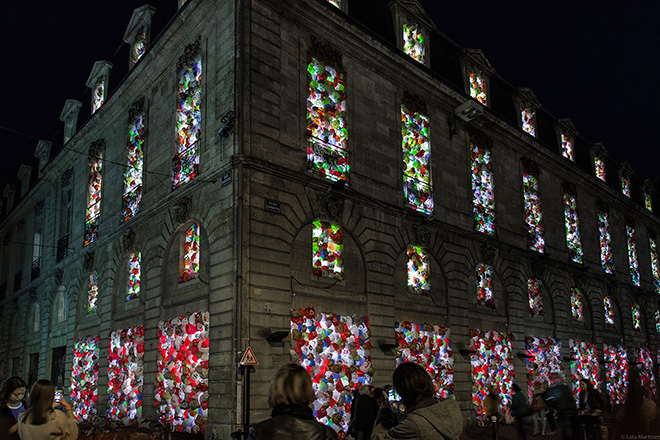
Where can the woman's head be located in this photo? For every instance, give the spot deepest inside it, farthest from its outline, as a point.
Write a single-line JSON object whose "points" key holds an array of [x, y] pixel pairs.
{"points": [[12, 390], [290, 386], [585, 385], [413, 384], [41, 401]]}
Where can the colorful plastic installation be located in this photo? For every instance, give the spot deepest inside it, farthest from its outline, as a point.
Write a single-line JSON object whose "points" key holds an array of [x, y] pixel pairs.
{"points": [[535, 295], [185, 164], [492, 363], [139, 47], [327, 248], [527, 120], [126, 375], [418, 270], [336, 352], [645, 363], [416, 161], [336, 3], [84, 377], [625, 186], [657, 321], [648, 202], [616, 373], [327, 151], [93, 199], [632, 255], [544, 357], [413, 43], [134, 274], [636, 318], [429, 346], [190, 254], [181, 396], [134, 169], [483, 189], [567, 147], [478, 88], [599, 168], [608, 305], [606, 256], [533, 213], [584, 365], [577, 310], [573, 241], [655, 264], [92, 292], [98, 94], [485, 285]]}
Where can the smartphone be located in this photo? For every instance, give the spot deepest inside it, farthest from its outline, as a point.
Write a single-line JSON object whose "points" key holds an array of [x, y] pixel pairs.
{"points": [[58, 396]]}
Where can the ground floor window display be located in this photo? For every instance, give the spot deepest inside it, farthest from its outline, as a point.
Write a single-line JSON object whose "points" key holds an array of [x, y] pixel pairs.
{"points": [[615, 358], [85, 377], [126, 375], [543, 358], [584, 365], [645, 366]]}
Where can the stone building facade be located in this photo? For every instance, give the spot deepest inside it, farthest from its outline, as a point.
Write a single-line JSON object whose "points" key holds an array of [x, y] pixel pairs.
{"points": [[259, 189]]}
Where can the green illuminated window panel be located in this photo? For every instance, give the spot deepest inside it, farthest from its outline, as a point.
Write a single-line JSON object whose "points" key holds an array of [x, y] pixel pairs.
{"points": [[478, 88], [93, 199], [418, 270], [483, 187], [632, 255], [533, 214], [327, 248], [185, 165], [413, 43], [416, 161], [572, 223]]}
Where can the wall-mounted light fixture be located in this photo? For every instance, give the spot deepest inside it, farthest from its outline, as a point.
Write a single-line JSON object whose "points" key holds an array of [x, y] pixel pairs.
{"points": [[469, 110], [276, 339]]}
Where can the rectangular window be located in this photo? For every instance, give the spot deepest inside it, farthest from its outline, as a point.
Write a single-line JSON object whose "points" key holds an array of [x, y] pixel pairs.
{"points": [[527, 120], [190, 254], [606, 256], [98, 94], [567, 147], [535, 295], [636, 318], [478, 88], [648, 202], [577, 310], [185, 164], [327, 248], [483, 187], [584, 365], [84, 377], [608, 305], [36, 250], [599, 168], [485, 285], [92, 293], [125, 374], [625, 185], [327, 133], [655, 264], [616, 373], [572, 222], [533, 214], [413, 43], [645, 362], [134, 274], [632, 255], [134, 169], [657, 324], [418, 270], [416, 161], [139, 46], [93, 199], [543, 358]]}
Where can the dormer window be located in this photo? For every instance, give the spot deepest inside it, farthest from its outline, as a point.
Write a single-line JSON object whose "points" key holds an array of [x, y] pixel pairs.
{"points": [[566, 134], [139, 46], [527, 107], [648, 189], [624, 178], [478, 88], [567, 147], [599, 168], [413, 29], [598, 156], [413, 42], [98, 82], [137, 32], [477, 71], [69, 116], [98, 95], [336, 3]]}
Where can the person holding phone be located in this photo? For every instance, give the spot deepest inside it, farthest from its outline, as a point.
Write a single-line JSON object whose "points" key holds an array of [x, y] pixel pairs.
{"points": [[42, 420], [11, 405]]}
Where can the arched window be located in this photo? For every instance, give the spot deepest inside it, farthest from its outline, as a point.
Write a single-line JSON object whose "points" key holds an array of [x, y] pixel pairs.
{"points": [[485, 285], [92, 292], [418, 270], [327, 248], [190, 253], [134, 275]]}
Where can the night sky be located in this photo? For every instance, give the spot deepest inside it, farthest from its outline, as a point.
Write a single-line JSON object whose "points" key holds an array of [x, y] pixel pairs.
{"points": [[599, 68]]}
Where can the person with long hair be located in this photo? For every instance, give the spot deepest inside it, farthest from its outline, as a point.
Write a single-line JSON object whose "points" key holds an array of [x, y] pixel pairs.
{"points": [[12, 392], [42, 421]]}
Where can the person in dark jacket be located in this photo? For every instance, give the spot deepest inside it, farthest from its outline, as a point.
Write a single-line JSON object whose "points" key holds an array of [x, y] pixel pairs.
{"points": [[519, 409], [590, 410], [11, 405], [561, 401], [364, 411], [292, 418]]}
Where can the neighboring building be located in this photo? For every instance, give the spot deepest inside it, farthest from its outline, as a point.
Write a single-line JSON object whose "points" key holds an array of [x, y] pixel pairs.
{"points": [[337, 171]]}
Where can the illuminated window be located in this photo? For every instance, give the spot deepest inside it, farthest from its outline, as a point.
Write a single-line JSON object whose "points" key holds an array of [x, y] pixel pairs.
{"points": [[327, 133], [185, 164], [625, 185], [655, 264], [93, 199], [606, 256], [632, 252], [577, 310], [327, 248], [478, 88], [648, 202], [483, 196], [543, 358], [616, 373], [567, 147], [657, 321], [416, 161], [584, 365], [84, 377], [139, 46], [533, 213], [527, 119], [190, 254], [92, 293], [418, 270], [599, 168], [134, 169], [485, 285], [644, 360], [134, 273], [98, 94], [336, 3], [636, 318], [535, 295], [573, 242], [413, 42], [125, 374], [609, 311]]}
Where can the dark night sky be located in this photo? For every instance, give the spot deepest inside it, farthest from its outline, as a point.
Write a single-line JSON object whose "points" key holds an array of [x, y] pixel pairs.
{"points": [[595, 65]]}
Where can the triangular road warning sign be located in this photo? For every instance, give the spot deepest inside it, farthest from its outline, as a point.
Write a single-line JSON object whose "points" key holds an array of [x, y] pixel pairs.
{"points": [[249, 358]]}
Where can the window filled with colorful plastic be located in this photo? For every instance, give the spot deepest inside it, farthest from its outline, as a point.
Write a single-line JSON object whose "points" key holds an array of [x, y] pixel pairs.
{"points": [[655, 264], [413, 43], [126, 375], [418, 270], [134, 169], [93, 199], [535, 295], [648, 201], [573, 241], [185, 164], [645, 364], [616, 373], [336, 352], [190, 254], [599, 168], [632, 255], [492, 363], [625, 185], [416, 161], [429, 346], [608, 305], [533, 213], [636, 318], [139, 46], [92, 292], [577, 311], [327, 248], [98, 94], [657, 320], [567, 147], [543, 358], [84, 377], [134, 275], [483, 187], [327, 132], [485, 285], [527, 120], [478, 88], [606, 256], [181, 395], [584, 365], [336, 3]]}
